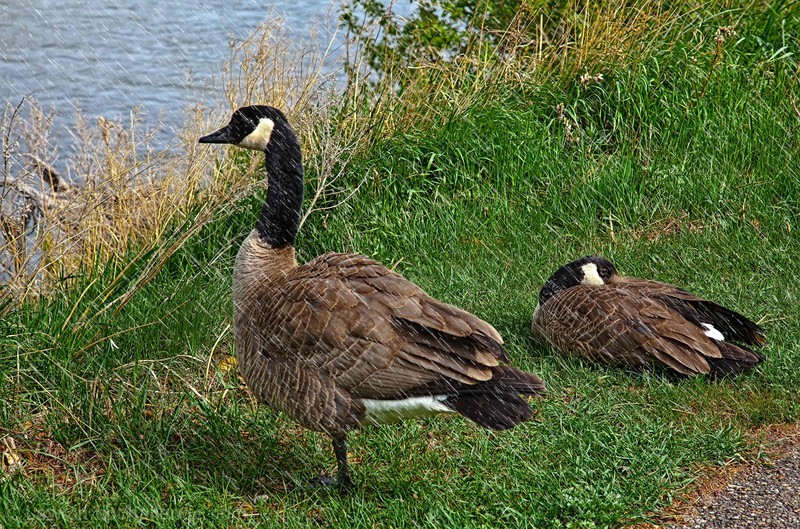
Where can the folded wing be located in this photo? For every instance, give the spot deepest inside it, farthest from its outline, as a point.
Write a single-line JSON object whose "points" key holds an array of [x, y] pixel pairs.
{"points": [[614, 325], [380, 336]]}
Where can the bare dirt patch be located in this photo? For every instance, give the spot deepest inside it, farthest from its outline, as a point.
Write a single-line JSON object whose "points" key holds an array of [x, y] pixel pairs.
{"points": [[673, 226], [760, 493], [34, 453]]}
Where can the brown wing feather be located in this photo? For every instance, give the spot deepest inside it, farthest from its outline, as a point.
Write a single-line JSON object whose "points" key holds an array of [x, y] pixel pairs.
{"points": [[733, 325], [376, 334], [612, 325]]}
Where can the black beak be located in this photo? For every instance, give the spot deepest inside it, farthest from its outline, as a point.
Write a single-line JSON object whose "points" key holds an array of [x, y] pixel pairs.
{"points": [[223, 135]]}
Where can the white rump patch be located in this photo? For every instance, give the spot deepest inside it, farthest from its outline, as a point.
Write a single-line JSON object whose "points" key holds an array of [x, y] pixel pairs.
{"points": [[712, 332], [259, 138], [384, 411], [590, 275]]}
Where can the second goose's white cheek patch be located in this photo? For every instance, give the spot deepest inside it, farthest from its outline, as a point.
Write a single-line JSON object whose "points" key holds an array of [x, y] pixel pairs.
{"points": [[590, 275], [259, 138]]}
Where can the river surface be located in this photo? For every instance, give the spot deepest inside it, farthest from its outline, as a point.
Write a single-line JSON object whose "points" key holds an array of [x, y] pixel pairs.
{"points": [[106, 57]]}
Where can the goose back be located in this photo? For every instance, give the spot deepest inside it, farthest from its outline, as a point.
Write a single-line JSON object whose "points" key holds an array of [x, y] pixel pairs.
{"points": [[732, 325], [343, 330]]}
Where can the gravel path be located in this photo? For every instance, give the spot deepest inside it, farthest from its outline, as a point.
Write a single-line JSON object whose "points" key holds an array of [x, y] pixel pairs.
{"points": [[762, 496]]}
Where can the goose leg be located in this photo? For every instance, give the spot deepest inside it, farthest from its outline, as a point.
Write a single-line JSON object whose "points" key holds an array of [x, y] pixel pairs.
{"points": [[345, 482]]}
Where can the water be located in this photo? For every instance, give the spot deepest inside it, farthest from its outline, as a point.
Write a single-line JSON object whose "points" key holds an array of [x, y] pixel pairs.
{"points": [[104, 57]]}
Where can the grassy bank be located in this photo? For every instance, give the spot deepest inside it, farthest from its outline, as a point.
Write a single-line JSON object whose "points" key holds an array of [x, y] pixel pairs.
{"points": [[681, 166]]}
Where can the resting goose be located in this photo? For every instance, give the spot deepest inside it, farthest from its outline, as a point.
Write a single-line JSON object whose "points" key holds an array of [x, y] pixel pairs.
{"points": [[587, 309], [342, 341]]}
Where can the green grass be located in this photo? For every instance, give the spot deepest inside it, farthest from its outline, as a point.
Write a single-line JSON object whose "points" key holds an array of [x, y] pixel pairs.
{"points": [[479, 209]]}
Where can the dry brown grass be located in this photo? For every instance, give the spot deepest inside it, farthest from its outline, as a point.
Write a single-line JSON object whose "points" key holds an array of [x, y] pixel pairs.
{"points": [[121, 193], [300, 80], [578, 42], [36, 454], [673, 226], [123, 200]]}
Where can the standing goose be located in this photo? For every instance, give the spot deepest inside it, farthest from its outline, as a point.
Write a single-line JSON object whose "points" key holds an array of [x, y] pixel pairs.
{"points": [[342, 341], [587, 309]]}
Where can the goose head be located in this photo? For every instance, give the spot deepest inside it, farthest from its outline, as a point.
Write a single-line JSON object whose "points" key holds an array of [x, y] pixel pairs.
{"points": [[265, 128], [588, 270], [252, 127]]}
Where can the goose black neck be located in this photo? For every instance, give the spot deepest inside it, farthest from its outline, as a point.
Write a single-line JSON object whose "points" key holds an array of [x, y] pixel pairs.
{"points": [[280, 216]]}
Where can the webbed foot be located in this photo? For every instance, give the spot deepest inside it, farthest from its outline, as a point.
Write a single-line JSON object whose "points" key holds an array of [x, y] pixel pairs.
{"points": [[344, 483]]}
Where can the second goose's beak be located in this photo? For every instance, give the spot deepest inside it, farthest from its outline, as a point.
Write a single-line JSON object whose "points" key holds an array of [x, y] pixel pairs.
{"points": [[223, 135]]}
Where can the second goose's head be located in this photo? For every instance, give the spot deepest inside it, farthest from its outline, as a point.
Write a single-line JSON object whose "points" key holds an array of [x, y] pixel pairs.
{"points": [[588, 270], [255, 127]]}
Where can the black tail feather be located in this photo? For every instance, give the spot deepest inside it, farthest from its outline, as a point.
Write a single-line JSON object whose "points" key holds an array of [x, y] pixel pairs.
{"points": [[497, 403], [498, 411], [735, 359], [733, 326], [516, 380]]}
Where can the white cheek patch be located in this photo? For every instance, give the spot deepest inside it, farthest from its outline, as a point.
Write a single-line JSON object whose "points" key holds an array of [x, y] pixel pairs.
{"points": [[712, 332], [590, 275], [259, 138]]}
